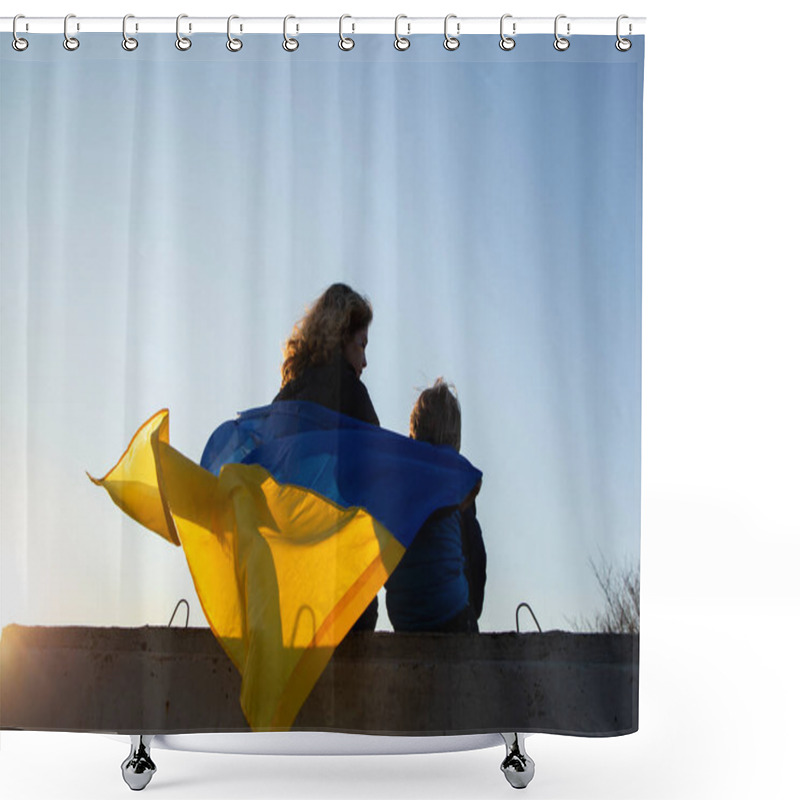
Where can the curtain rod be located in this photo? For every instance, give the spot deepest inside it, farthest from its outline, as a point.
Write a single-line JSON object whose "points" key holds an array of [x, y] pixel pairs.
{"points": [[407, 25]]}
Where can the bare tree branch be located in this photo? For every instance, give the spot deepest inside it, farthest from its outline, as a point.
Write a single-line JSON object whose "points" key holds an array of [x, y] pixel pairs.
{"points": [[620, 587]]}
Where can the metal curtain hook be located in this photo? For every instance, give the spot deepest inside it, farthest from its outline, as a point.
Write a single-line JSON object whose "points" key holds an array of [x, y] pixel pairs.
{"points": [[70, 42], [506, 42], [18, 43], [451, 42], [289, 44], [181, 42], [128, 42], [400, 42], [560, 43], [233, 44], [623, 45], [345, 43]]}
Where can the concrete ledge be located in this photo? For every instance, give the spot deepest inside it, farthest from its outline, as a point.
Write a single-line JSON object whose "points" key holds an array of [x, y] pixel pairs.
{"points": [[171, 680]]}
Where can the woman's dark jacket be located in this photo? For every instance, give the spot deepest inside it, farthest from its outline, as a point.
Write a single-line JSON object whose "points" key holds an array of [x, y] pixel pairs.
{"points": [[336, 386]]}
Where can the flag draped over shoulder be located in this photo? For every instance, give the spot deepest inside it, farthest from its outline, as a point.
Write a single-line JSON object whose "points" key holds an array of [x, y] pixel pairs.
{"points": [[294, 521]]}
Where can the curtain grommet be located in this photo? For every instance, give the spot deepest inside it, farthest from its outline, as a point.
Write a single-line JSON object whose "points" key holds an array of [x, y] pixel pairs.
{"points": [[507, 42], [70, 43], [289, 44], [345, 42], [129, 43], [451, 42], [401, 43], [183, 43], [233, 44], [18, 43]]}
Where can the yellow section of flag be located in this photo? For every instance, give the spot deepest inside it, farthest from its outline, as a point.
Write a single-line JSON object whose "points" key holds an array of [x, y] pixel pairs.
{"points": [[282, 573]]}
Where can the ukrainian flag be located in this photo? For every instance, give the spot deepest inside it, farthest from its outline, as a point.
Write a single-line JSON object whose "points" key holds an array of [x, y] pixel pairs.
{"points": [[296, 518]]}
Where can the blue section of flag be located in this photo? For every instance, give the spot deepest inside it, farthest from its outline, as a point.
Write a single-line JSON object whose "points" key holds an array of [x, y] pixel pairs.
{"points": [[398, 480]]}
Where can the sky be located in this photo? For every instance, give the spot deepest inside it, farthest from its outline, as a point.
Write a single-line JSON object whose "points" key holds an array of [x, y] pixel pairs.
{"points": [[167, 217]]}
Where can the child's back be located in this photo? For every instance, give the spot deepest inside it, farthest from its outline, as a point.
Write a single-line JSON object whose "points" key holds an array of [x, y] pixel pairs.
{"points": [[429, 589]]}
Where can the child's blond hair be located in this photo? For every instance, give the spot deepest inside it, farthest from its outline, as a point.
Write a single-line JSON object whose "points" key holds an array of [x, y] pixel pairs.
{"points": [[436, 416]]}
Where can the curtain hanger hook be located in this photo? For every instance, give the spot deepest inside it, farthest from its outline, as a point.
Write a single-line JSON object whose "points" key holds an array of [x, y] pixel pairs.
{"points": [[70, 42], [400, 42], [623, 45], [289, 44], [560, 44], [233, 44], [506, 42], [181, 42], [128, 42], [345, 43], [451, 42], [18, 43]]}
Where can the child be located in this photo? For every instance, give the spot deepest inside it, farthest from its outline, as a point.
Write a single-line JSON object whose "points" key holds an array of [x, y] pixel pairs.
{"points": [[430, 589]]}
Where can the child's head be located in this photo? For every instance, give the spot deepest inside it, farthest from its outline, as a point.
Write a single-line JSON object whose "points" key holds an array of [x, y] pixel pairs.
{"points": [[436, 416]]}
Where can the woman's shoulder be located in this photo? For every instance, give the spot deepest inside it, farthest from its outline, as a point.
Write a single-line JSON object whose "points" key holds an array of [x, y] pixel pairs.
{"points": [[335, 385], [308, 385]]}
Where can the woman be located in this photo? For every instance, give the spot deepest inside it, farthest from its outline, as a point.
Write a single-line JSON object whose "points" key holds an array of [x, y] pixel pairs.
{"points": [[323, 361], [325, 355]]}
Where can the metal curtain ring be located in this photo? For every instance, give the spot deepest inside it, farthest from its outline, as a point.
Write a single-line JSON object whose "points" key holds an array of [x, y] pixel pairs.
{"points": [[233, 44], [289, 44], [507, 42], [560, 44], [345, 43], [181, 42], [70, 42], [18, 43], [400, 42], [451, 42], [128, 42], [623, 45]]}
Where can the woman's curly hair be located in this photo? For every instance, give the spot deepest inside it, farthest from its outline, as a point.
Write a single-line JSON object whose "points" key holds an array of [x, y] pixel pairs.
{"points": [[324, 330]]}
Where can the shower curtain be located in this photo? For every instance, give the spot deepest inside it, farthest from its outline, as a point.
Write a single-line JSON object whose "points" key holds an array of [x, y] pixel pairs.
{"points": [[370, 549]]}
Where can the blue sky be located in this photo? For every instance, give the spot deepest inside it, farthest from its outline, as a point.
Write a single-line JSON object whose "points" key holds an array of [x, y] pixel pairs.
{"points": [[167, 217]]}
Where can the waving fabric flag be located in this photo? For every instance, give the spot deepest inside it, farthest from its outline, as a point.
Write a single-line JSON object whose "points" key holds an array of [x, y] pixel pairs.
{"points": [[292, 524]]}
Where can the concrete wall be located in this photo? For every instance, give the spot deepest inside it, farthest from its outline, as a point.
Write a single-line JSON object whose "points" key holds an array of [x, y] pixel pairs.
{"points": [[156, 680]]}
